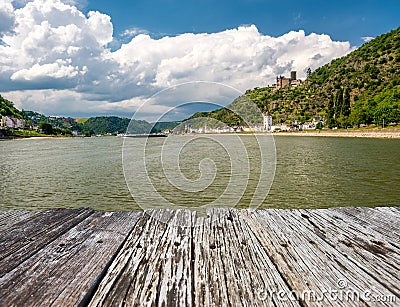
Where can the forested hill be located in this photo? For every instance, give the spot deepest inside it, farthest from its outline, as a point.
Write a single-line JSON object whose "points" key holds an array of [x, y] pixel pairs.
{"points": [[7, 108], [360, 88], [87, 126], [109, 124], [114, 124]]}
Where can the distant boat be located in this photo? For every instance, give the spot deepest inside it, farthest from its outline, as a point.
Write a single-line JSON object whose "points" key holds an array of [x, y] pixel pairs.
{"points": [[146, 135]]}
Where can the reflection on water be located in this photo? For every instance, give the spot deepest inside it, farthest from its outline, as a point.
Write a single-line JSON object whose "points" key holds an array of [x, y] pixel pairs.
{"points": [[311, 172]]}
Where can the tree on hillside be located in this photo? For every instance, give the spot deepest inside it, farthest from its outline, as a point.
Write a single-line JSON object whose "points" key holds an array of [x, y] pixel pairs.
{"points": [[308, 72], [342, 107], [346, 103], [345, 109], [338, 102], [46, 128], [387, 108], [330, 114]]}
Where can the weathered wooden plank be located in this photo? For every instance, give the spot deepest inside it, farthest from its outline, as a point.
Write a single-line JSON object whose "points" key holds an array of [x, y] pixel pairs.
{"points": [[387, 216], [26, 237], [308, 262], [208, 281], [216, 262], [136, 275], [10, 217], [385, 220], [175, 286], [260, 258], [365, 247], [231, 267], [66, 271]]}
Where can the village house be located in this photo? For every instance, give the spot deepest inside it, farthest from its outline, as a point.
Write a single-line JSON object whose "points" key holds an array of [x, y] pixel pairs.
{"points": [[2, 121], [307, 126], [12, 122]]}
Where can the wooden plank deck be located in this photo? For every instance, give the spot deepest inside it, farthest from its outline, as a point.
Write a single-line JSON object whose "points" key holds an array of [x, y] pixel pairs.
{"points": [[324, 257]]}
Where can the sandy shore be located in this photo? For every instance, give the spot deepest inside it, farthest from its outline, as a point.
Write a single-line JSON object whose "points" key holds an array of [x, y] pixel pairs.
{"points": [[48, 137], [375, 133]]}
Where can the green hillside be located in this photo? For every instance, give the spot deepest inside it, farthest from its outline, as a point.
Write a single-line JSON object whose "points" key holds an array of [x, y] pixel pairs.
{"points": [[85, 126], [103, 124], [7, 108], [66, 123], [241, 111], [114, 124], [161, 126], [360, 88]]}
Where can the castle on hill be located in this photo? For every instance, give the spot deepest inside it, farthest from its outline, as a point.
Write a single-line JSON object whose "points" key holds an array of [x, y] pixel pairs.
{"points": [[282, 81]]}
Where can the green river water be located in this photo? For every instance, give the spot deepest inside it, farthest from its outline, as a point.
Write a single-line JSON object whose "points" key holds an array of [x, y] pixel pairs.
{"points": [[311, 172]]}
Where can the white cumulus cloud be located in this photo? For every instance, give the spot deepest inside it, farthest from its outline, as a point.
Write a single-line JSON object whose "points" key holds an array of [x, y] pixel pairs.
{"points": [[50, 46], [367, 38], [7, 17], [58, 69]]}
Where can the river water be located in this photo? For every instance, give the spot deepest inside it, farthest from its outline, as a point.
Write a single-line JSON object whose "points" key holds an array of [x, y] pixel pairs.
{"points": [[311, 172]]}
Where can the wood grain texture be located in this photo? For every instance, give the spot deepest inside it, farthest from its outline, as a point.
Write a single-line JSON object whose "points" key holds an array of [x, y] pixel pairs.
{"points": [[8, 218], [384, 220], [69, 257], [367, 247], [153, 267], [231, 267], [309, 262], [69, 268], [25, 238]]}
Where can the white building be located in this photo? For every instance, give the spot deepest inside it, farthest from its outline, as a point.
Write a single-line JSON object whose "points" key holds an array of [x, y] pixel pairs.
{"points": [[308, 126], [267, 122], [12, 122], [2, 121]]}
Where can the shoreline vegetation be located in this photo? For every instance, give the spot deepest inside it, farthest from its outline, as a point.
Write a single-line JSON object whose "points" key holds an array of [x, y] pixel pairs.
{"points": [[27, 134], [383, 133]]}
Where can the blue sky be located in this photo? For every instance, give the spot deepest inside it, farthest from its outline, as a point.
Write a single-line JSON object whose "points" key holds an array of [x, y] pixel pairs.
{"points": [[341, 19], [85, 58]]}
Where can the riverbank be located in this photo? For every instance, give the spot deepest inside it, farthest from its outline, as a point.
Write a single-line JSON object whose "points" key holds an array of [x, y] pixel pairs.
{"points": [[22, 134], [27, 134], [372, 133], [44, 137]]}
